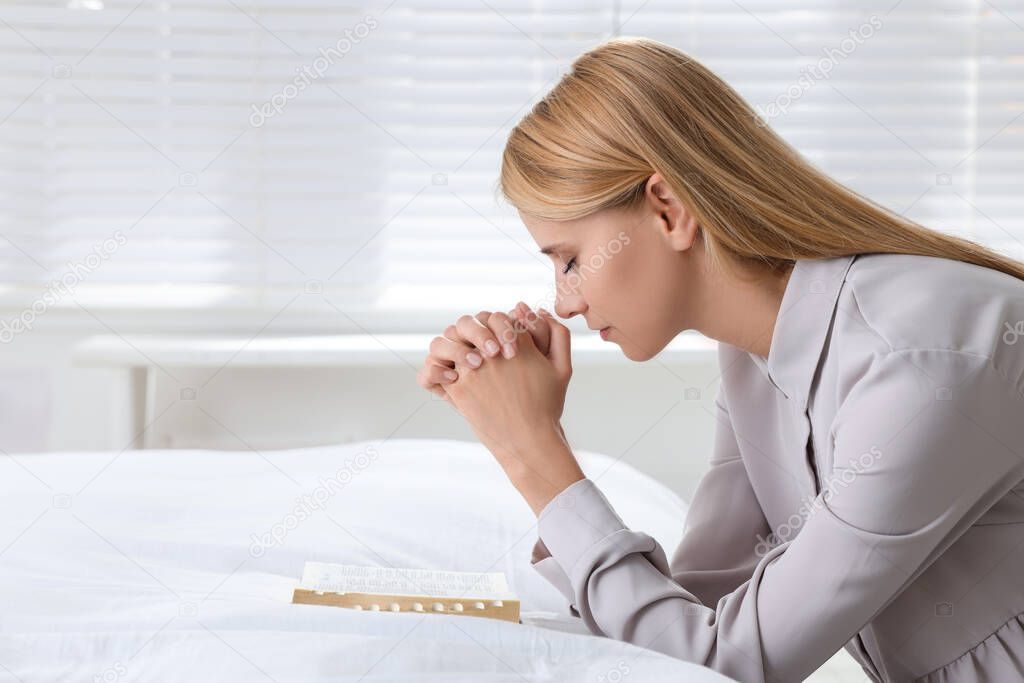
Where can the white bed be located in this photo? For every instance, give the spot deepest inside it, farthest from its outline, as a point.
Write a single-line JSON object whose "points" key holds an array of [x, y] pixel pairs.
{"points": [[158, 566]]}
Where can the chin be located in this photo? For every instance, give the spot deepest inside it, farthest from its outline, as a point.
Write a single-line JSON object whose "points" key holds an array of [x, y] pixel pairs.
{"points": [[637, 355], [638, 358]]}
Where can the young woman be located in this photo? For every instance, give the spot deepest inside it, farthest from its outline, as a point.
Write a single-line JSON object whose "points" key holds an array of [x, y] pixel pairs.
{"points": [[865, 488]]}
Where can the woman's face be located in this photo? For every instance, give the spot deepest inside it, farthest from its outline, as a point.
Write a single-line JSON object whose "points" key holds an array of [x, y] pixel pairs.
{"points": [[630, 269]]}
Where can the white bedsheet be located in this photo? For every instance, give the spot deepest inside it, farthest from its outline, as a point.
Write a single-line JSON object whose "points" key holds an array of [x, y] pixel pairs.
{"points": [[161, 566]]}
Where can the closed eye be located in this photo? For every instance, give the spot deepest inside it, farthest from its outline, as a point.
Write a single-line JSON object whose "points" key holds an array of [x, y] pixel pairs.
{"points": [[568, 266]]}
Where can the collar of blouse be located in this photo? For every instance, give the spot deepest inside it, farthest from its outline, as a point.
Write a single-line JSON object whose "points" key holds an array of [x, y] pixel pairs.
{"points": [[808, 306]]}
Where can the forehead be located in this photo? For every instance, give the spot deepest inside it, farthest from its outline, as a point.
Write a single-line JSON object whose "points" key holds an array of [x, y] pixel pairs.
{"points": [[541, 226], [547, 232], [576, 233]]}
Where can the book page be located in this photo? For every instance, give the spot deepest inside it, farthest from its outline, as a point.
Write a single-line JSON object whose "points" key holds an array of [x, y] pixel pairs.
{"points": [[346, 578]]}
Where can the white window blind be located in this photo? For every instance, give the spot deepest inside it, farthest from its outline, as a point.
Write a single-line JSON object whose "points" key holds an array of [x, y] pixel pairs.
{"points": [[321, 156]]}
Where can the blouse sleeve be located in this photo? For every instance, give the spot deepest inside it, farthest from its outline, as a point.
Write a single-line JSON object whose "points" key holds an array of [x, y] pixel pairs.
{"points": [[923, 445], [725, 526]]}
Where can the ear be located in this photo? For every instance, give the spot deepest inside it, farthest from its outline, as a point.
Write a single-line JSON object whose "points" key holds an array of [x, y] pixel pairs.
{"points": [[675, 222]]}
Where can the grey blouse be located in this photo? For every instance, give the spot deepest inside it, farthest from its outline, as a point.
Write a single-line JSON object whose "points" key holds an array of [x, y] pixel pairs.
{"points": [[866, 490]]}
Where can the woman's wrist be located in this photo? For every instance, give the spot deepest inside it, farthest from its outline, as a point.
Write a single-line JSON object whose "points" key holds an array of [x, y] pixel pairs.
{"points": [[543, 468]]}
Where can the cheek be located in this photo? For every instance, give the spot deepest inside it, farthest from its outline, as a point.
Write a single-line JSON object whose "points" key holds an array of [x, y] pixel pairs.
{"points": [[591, 280], [605, 286], [634, 284]]}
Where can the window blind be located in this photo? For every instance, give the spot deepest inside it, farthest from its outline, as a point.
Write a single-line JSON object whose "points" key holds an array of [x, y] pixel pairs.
{"points": [[226, 155]]}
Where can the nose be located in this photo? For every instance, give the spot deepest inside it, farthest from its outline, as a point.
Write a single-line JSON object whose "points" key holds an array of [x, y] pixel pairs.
{"points": [[569, 303]]}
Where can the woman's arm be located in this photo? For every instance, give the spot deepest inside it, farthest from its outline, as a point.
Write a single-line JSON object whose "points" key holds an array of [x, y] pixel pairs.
{"points": [[943, 461], [725, 526]]}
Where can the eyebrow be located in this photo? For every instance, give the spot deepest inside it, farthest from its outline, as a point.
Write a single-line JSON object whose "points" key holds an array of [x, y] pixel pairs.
{"points": [[552, 247]]}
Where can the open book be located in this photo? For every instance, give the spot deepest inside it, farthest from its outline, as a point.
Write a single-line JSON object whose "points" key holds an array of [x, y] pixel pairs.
{"points": [[391, 589]]}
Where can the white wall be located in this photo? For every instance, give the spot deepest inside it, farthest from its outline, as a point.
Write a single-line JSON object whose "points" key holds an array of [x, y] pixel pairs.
{"points": [[634, 411], [48, 404], [637, 411]]}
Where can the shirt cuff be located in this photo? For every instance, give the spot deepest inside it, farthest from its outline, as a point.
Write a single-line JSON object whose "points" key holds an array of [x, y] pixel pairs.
{"points": [[570, 524], [547, 567]]}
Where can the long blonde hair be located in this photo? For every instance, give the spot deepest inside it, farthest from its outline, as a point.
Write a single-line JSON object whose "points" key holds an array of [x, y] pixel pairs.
{"points": [[634, 106]]}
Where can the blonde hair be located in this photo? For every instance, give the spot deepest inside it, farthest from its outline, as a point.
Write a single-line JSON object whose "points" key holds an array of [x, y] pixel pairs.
{"points": [[634, 106]]}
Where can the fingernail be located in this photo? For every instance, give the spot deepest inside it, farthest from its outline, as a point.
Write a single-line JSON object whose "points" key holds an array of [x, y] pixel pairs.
{"points": [[450, 374], [492, 347], [508, 350], [474, 359]]}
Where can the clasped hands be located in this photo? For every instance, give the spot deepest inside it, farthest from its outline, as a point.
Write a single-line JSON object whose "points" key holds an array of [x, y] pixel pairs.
{"points": [[507, 375]]}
